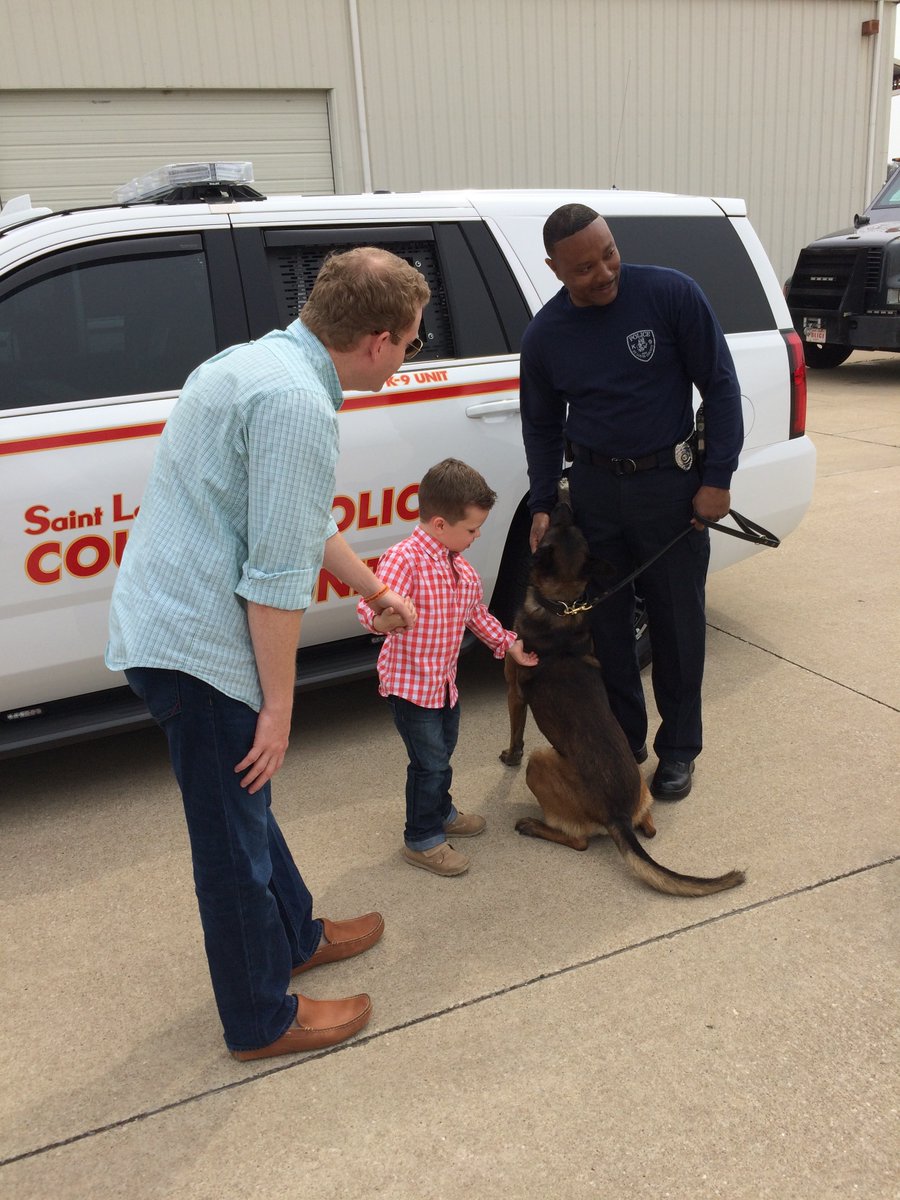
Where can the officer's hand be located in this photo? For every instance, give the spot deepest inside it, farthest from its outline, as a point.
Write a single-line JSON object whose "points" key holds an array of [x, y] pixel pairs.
{"points": [[711, 503], [540, 523]]}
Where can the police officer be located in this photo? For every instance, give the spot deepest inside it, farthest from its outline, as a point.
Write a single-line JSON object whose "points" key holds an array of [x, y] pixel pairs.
{"points": [[607, 368]]}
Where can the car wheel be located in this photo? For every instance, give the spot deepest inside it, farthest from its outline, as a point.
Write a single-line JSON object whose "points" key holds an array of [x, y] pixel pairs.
{"points": [[823, 357]]}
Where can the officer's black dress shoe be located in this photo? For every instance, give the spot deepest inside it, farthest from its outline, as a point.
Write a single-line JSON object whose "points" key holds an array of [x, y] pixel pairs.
{"points": [[640, 756], [672, 780]]}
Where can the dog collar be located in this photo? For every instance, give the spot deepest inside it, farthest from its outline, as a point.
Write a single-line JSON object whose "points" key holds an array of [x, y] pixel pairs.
{"points": [[561, 609]]}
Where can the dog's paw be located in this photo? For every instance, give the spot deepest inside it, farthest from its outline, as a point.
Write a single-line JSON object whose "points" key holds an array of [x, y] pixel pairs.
{"points": [[512, 758], [526, 826]]}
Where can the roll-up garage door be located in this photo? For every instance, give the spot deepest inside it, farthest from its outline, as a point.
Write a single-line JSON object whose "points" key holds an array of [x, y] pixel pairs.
{"points": [[70, 148]]}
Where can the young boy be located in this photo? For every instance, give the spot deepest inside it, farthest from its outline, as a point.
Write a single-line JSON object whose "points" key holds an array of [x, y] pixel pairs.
{"points": [[417, 669]]}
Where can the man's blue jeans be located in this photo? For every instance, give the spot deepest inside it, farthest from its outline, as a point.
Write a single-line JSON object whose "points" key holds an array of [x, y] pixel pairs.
{"points": [[430, 736], [255, 909]]}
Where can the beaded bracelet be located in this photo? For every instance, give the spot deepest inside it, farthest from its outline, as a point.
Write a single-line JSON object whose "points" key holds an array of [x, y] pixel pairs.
{"points": [[384, 588]]}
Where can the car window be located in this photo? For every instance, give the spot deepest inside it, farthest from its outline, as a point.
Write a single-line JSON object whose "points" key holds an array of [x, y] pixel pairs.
{"points": [[475, 309], [110, 319], [708, 249]]}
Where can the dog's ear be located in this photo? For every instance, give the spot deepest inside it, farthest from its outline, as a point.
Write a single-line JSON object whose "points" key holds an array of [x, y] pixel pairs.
{"points": [[542, 560], [561, 517]]}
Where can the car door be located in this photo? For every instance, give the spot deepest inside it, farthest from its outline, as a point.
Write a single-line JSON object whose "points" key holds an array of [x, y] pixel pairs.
{"points": [[459, 398], [96, 339]]}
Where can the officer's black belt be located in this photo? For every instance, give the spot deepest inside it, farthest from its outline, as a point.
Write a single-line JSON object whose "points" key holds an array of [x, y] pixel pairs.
{"points": [[624, 466]]}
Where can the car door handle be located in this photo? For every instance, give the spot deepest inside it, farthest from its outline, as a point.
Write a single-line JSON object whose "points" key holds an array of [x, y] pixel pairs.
{"points": [[493, 408]]}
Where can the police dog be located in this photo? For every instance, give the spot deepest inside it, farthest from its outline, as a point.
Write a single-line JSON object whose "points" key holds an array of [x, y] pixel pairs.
{"points": [[586, 781]]}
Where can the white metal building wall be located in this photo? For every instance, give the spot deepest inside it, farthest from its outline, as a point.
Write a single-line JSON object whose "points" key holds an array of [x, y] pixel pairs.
{"points": [[283, 46], [764, 99], [48, 137]]}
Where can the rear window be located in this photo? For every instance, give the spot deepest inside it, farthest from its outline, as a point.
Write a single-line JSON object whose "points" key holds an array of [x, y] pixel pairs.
{"points": [[711, 252]]}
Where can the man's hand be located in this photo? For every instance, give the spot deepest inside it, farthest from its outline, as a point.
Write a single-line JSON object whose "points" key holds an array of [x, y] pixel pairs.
{"points": [[275, 633], [270, 743], [401, 607], [712, 504], [540, 523], [388, 620], [518, 653]]}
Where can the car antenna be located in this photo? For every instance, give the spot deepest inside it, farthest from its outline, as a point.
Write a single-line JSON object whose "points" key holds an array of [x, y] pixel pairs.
{"points": [[621, 123]]}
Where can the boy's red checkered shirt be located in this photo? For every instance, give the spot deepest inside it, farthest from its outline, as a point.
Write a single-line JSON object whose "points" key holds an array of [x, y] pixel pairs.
{"points": [[419, 664]]}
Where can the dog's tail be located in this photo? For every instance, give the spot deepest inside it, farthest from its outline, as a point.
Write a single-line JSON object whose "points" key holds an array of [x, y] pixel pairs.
{"points": [[661, 878]]}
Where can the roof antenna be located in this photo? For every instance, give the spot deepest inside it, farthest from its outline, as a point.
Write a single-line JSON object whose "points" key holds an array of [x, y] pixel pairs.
{"points": [[621, 123]]}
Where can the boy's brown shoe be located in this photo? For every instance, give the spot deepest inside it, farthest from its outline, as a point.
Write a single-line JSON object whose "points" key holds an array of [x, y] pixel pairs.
{"points": [[465, 825], [439, 860]]}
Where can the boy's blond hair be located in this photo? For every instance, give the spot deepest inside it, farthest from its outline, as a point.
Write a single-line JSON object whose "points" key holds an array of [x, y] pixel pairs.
{"points": [[449, 488]]}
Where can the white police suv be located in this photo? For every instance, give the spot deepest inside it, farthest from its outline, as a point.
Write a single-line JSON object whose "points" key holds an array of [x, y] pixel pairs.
{"points": [[105, 311]]}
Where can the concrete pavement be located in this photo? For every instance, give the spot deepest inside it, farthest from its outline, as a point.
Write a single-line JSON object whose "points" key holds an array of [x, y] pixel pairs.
{"points": [[544, 1026]]}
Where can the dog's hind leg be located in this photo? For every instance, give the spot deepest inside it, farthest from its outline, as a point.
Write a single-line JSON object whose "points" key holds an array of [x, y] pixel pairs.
{"points": [[546, 776], [530, 827], [642, 820], [518, 711]]}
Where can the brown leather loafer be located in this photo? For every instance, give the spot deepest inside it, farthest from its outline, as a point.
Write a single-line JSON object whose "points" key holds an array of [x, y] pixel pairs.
{"points": [[318, 1023], [344, 939]]}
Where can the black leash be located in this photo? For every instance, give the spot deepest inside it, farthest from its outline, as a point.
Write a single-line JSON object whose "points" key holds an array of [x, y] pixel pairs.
{"points": [[747, 530]]}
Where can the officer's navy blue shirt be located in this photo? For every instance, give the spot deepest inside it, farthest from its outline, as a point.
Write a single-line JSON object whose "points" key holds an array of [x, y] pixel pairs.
{"points": [[617, 378]]}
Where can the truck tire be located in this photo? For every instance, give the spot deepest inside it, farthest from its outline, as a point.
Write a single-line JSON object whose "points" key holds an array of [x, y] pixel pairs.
{"points": [[825, 357]]}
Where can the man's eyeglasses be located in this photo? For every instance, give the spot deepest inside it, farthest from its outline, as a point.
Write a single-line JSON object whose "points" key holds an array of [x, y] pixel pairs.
{"points": [[412, 348]]}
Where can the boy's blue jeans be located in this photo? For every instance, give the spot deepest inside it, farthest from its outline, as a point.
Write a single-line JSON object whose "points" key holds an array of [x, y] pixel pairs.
{"points": [[255, 909], [430, 736]]}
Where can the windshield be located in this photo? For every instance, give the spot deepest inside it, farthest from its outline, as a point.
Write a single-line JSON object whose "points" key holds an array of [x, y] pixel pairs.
{"points": [[889, 196]]}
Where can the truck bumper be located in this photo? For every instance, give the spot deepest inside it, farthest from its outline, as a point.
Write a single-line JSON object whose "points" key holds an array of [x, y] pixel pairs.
{"points": [[863, 332]]}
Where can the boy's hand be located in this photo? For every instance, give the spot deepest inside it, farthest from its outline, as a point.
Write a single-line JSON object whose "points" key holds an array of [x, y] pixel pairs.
{"points": [[525, 658], [388, 620]]}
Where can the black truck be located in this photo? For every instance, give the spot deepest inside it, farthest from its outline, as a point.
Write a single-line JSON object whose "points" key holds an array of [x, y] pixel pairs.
{"points": [[844, 294]]}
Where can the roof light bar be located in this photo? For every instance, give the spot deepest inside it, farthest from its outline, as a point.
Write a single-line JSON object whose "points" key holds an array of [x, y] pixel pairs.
{"points": [[178, 175]]}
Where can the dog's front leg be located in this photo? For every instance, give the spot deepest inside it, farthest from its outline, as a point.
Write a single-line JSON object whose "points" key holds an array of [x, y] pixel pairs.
{"points": [[518, 711]]}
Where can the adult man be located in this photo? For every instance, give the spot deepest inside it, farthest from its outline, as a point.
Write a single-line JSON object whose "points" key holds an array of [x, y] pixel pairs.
{"points": [[206, 613], [607, 367]]}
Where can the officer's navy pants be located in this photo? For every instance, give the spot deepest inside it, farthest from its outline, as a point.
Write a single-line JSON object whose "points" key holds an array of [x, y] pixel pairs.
{"points": [[626, 519]]}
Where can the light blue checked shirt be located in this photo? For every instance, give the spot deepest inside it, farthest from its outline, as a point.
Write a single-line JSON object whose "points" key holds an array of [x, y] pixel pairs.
{"points": [[237, 508]]}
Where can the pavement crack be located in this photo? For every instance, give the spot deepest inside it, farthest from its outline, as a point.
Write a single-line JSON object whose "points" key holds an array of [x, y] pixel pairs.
{"points": [[854, 436], [801, 666], [435, 1014]]}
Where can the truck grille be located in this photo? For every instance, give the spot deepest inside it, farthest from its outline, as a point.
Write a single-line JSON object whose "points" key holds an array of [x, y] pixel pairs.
{"points": [[874, 259], [821, 278]]}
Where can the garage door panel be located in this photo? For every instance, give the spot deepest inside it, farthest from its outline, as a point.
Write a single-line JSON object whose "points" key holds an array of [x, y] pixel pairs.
{"points": [[69, 148]]}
